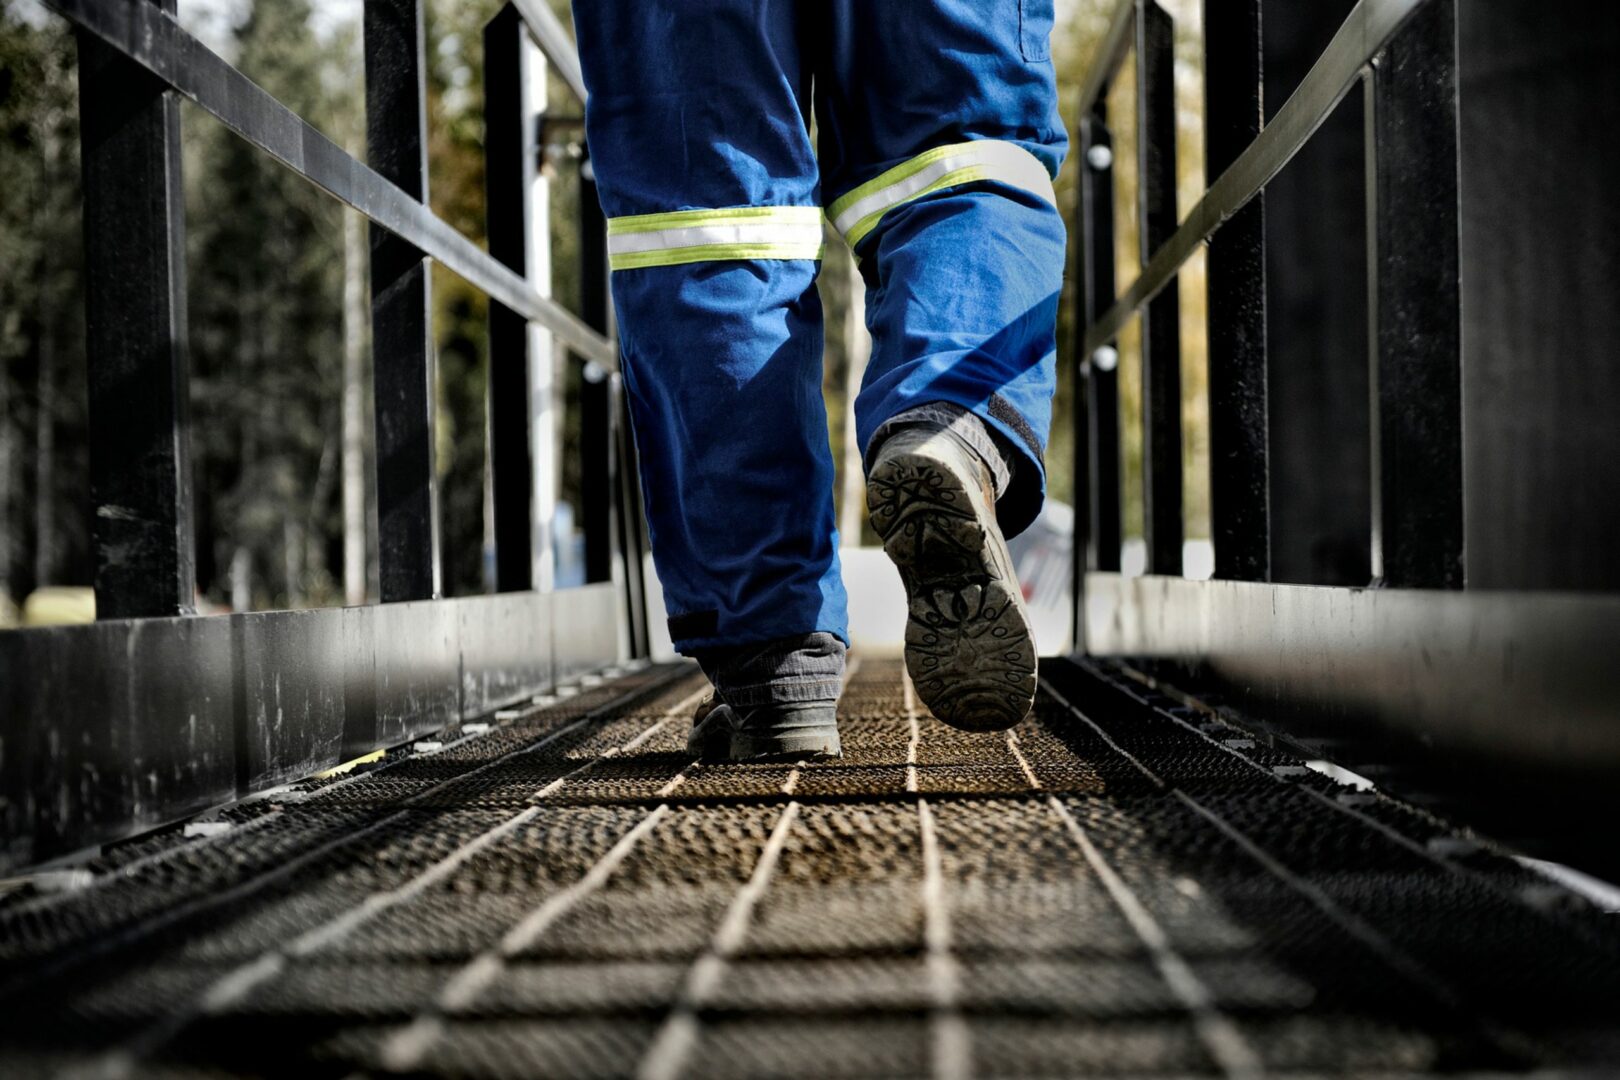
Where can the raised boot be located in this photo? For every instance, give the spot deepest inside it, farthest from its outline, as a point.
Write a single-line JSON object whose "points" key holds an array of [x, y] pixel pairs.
{"points": [[969, 646]]}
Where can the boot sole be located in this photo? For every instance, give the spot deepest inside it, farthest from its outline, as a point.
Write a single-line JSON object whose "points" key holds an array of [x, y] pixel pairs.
{"points": [[809, 742], [970, 649], [714, 741]]}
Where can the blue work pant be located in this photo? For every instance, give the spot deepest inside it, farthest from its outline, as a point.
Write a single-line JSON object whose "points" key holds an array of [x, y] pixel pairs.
{"points": [[938, 135]]}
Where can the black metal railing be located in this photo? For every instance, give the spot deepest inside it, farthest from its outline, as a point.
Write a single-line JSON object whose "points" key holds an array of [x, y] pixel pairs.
{"points": [[1400, 53], [152, 712], [1395, 664]]}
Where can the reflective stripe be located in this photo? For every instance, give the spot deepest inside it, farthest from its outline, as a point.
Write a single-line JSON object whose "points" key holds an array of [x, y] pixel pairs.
{"points": [[688, 236], [858, 212]]}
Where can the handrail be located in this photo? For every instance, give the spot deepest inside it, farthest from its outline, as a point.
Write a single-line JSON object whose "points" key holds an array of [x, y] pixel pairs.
{"points": [[1365, 32], [155, 41], [555, 42]]}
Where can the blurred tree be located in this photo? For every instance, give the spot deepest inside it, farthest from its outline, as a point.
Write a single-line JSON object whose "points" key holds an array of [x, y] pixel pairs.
{"points": [[44, 490], [265, 290]]}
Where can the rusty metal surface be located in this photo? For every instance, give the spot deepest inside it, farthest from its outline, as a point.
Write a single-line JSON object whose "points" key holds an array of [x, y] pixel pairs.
{"points": [[1119, 887]]}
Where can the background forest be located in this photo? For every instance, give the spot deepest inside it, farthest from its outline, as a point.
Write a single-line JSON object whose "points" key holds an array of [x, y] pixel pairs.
{"points": [[280, 352]]}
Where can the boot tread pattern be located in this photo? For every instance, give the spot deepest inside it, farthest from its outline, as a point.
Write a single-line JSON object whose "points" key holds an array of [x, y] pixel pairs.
{"points": [[968, 645]]}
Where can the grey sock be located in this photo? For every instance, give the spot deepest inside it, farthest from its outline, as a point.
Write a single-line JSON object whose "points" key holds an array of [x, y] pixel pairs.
{"points": [[806, 667]]}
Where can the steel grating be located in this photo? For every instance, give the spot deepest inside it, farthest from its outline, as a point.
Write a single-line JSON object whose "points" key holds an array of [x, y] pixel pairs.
{"points": [[1120, 887]]}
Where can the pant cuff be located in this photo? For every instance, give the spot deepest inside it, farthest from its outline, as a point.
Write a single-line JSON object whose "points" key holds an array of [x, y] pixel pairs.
{"points": [[806, 667]]}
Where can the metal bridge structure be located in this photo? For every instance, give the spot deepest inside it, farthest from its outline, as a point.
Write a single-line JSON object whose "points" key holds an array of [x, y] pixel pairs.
{"points": [[1314, 816]]}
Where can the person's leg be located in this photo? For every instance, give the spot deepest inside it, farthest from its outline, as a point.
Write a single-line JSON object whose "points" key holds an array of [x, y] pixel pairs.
{"points": [[698, 139], [940, 136]]}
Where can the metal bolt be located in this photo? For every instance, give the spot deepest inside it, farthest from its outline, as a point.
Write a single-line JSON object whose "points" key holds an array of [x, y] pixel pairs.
{"points": [[1099, 157]]}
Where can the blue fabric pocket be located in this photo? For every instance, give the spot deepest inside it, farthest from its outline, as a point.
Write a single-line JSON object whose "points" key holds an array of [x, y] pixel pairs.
{"points": [[1035, 29]]}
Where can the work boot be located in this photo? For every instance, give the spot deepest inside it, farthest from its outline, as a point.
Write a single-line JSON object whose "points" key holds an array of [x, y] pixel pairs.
{"points": [[969, 647], [710, 740], [780, 731], [785, 731], [772, 699]]}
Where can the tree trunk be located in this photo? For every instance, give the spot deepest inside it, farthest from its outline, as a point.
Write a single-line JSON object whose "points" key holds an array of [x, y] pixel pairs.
{"points": [[7, 462], [315, 521], [354, 411], [292, 556], [857, 349], [242, 579], [45, 461]]}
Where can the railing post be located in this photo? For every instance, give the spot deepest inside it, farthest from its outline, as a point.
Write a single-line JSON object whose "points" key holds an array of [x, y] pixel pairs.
{"points": [[509, 151], [1416, 376], [596, 440], [135, 322], [1102, 376], [1161, 329], [596, 472], [631, 523], [401, 309], [1240, 484], [1096, 399]]}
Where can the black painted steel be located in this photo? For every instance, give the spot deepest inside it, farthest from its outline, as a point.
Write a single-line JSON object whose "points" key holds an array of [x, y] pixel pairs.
{"points": [[1539, 270], [1417, 505], [598, 443], [1317, 322], [632, 528], [1364, 33], [135, 292], [1239, 481], [508, 139], [597, 472], [1101, 430], [1161, 328], [594, 304], [401, 309], [118, 727], [1502, 701], [157, 42]]}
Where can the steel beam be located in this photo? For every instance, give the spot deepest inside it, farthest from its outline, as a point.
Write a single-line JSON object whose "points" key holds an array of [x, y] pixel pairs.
{"points": [[1415, 332], [1500, 699], [1101, 434], [135, 325], [1369, 26], [401, 309], [596, 472], [509, 148], [88, 714], [1161, 328], [597, 443], [632, 524], [1240, 487]]}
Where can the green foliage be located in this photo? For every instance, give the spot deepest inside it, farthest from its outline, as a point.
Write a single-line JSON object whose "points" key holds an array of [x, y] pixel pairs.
{"points": [[44, 496], [265, 281]]}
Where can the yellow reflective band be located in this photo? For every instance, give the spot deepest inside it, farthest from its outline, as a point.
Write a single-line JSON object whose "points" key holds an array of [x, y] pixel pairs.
{"points": [[857, 213], [688, 236]]}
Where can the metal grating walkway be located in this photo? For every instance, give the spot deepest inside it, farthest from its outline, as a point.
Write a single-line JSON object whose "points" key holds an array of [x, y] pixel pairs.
{"points": [[1119, 887]]}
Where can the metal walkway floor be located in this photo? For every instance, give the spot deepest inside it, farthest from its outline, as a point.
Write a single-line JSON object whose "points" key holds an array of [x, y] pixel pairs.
{"points": [[1115, 888]]}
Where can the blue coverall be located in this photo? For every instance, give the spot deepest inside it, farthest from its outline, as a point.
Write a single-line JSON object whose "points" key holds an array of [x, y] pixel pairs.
{"points": [[938, 137]]}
